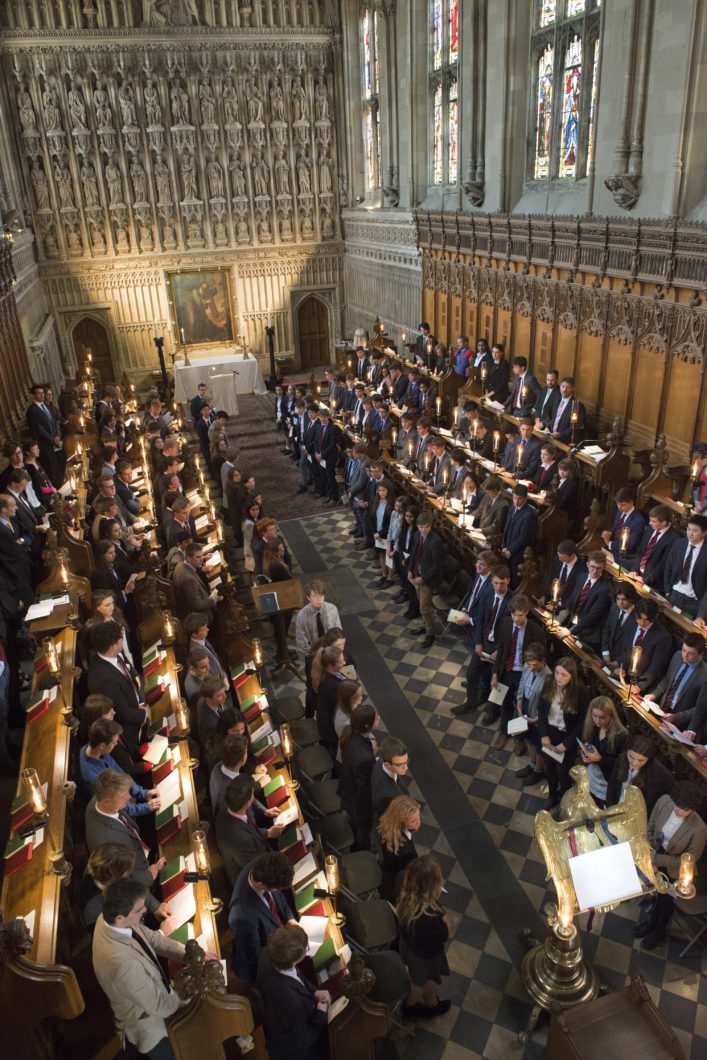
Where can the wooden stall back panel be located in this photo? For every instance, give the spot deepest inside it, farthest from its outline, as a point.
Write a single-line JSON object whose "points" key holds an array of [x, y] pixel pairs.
{"points": [[542, 358], [442, 320], [504, 326], [521, 341], [618, 371], [455, 321], [682, 403], [647, 389], [589, 370]]}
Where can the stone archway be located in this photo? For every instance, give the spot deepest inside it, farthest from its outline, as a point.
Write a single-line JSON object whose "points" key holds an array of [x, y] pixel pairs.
{"points": [[90, 334], [313, 332]]}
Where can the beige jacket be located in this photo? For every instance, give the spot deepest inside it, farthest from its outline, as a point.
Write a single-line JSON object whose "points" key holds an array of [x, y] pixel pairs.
{"points": [[133, 984], [690, 837]]}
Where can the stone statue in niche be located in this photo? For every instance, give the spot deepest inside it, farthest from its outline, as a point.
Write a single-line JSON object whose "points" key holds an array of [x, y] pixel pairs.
{"points": [[169, 236], [188, 170], [90, 185], [77, 107], [208, 103], [253, 102], [324, 173], [180, 104], [286, 233], [62, 179], [237, 179], [73, 241], [155, 12], [122, 244], [277, 102], [260, 174], [98, 240], [139, 179], [104, 114], [52, 117], [327, 225], [170, 12], [25, 109], [282, 174], [220, 234], [304, 181], [114, 181], [41, 188], [152, 105], [147, 243], [242, 233], [214, 175], [230, 103], [307, 230], [164, 193], [126, 98], [300, 110], [264, 233], [50, 243], [321, 101]]}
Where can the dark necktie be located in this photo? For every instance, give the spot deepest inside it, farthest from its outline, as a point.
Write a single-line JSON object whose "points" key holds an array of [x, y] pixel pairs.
{"points": [[127, 670], [618, 528], [416, 559], [492, 619], [639, 639], [152, 956], [320, 624], [685, 572], [512, 650], [672, 691], [583, 595], [649, 550], [474, 594], [563, 576], [134, 832], [271, 906], [516, 393]]}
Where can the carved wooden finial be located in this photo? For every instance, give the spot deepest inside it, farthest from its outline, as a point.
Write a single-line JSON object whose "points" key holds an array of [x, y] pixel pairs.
{"points": [[15, 940], [360, 980], [198, 976]]}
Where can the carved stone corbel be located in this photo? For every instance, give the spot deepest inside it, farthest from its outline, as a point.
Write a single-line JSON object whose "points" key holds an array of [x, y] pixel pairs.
{"points": [[625, 189], [475, 191]]}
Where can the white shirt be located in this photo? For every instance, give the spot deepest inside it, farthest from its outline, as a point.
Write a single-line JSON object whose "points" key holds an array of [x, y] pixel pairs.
{"points": [[686, 587], [670, 828], [560, 409], [555, 716], [393, 776]]}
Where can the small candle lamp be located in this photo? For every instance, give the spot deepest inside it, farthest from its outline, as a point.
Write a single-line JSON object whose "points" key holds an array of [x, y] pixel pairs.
{"points": [[623, 545], [168, 628], [219, 532], [64, 575], [496, 447], [555, 597], [632, 674], [33, 788], [695, 468], [684, 887], [438, 404], [202, 861], [257, 652], [403, 336], [331, 871], [565, 916], [483, 374], [212, 512], [288, 752], [410, 448], [182, 713], [457, 413], [395, 437]]}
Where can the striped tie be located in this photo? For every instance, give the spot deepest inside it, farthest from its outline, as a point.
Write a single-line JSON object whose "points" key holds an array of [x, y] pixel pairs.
{"points": [[672, 691], [583, 595], [512, 650], [649, 551]]}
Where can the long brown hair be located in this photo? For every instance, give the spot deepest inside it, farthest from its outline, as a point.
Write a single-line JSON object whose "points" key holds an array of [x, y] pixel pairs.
{"points": [[317, 671], [363, 719], [422, 886], [567, 696], [392, 822], [613, 730]]}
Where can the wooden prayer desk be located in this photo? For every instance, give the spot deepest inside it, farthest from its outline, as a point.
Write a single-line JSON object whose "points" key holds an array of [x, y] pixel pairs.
{"points": [[58, 619], [290, 596]]}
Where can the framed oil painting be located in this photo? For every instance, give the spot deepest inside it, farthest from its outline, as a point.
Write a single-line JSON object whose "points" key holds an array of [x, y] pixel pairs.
{"points": [[201, 301]]}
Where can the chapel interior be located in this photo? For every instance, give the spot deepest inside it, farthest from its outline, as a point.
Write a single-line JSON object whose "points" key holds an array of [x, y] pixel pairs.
{"points": [[243, 192]]}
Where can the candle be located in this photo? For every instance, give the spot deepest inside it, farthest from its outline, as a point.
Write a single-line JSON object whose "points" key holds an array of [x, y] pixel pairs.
{"points": [[181, 332], [182, 715], [257, 652], [566, 914], [574, 416], [349, 362], [523, 391], [286, 739], [438, 403], [483, 373], [219, 531], [474, 427], [168, 629], [64, 574], [687, 872], [624, 538], [212, 512], [556, 590], [694, 469], [82, 424], [34, 791], [404, 336], [457, 411], [201, 851], [331, 869], [496, 441], [395, 436], [410, 448], [445, 475], [635, 659], [427, 460]]}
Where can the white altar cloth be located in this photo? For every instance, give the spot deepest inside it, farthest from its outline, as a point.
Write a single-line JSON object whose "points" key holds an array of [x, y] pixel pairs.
{"points": [[225, 377]]}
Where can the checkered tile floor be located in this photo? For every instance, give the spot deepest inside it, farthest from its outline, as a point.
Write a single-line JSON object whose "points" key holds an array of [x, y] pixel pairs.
{"points": [[489, 1005]]}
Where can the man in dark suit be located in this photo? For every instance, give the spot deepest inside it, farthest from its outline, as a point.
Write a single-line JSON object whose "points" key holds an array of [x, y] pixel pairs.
{"points": [[191, 587], [496, 382], [524, 390], [589, 604], [458, 475], [294, 1013], [242, 830], [620, 627], [401, 385], [424, 345], [15, 553], [387, 775], [196, 402], [656, 647], [425, 573], [682, 687], [519, 531], [562, 426], [43, 428], [106, 822], [439, 481], [626, 532], [110, 674], [258, 906], [493, 607], [547, 401], [32, 521], [181, 520], [361, 364], [686, 568], [652, 553], [471, 605], [280, 408], [516, 632], [407, 437], [526, 454], [325, 453], [566, 569], [494, 507], [123, 488], [348, 394], [423, 439], [202, 429], [481, 441]]}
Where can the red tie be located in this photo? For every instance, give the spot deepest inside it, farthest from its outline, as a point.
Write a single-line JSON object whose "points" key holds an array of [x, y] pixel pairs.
{"points": [[475, 593], [124, 820], [492, 619], [563, 576], [512, 650], [416, 558], [639, 639], [583, 595], [685, 572], [649, 551], [617, 529], [516, 392], [674, 687], [271, 905], [123, 666]]}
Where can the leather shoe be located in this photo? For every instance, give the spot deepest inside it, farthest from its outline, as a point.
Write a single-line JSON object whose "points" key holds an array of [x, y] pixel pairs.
{"points": [[399, 597], [428, 641], [533, 778], [463, 708], [418, 631], [525, 771], [641, 930], [654, 939], [381, 583], [489, 717], [501, 740], [430, 1012], [360, 545]]}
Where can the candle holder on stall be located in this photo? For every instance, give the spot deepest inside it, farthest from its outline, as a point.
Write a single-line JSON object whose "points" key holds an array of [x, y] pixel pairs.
{"points": [[496, 447], [631, 675], [623, 548], [684, 886], [574, 417], [554, 603], [30, 782], [168, 629], [288, 753], [67, 713], [331, 871], [202, 861], [438, 406]]}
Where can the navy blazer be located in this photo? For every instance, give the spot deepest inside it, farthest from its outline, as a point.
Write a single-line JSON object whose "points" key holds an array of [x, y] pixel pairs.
{"points": [[431, 559], [594, 611], [326, 441], [530, 462], [545, 409], [485, 612], [251, 921], [578, 572], [532, 389], [384, 789], [656, 648], [614, 641], [534, 634], [295, 1029], [485, 591], [695, 718], [520, 529], [240, 842], [348, 400], [654, 573], [547, 476], [573, 722], [673, 567], [691, 692], [636, 525], [564, 427]]}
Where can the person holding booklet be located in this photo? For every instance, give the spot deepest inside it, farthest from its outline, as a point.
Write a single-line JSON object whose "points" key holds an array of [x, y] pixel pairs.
{"points": [[530, 689], [258, 906], [516, 631], [294, 1013], [603, 740], [561, 712]]}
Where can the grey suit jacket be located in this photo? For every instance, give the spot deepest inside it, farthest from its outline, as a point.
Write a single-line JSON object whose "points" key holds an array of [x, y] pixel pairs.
{"points": [[103, 829], [191, 595], [690, 838], [536, 692], [437, 481], [132, 982]]}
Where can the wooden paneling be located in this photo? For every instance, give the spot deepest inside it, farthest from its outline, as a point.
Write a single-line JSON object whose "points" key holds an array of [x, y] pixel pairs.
{"points": [[589, 368], [683, 397]]}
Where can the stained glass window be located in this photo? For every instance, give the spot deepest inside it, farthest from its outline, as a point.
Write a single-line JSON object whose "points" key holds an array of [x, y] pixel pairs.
{"points": [[371, 102], [572, 81], [437, 28], [438, 147], [595, 68], [453, 30], [547, 12], [452, 174], [543, 126], [575, 7]]}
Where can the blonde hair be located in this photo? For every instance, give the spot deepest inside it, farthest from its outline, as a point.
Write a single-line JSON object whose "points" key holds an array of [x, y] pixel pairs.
{"points": [[108, 783], [615, 726], [422, 886], [392, 822]]}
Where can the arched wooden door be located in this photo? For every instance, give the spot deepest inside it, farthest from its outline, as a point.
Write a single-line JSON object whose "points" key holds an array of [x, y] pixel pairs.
{"points": [[94, 337], [313, 331]]}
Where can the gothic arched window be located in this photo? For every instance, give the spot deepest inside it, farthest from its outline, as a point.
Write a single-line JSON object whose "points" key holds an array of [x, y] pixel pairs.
{"points": [[564, 64], [370, 91], [444, 63]]}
